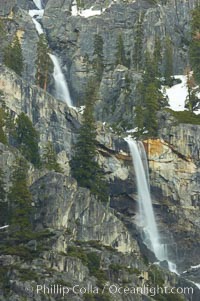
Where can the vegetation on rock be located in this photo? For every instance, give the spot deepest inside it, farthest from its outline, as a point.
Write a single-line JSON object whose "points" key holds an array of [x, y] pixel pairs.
{"points": [[194, 46], [44, 65], [98, 57], [27, 139], [84, 164], [20, 200], [13, 57], [49, 158]]}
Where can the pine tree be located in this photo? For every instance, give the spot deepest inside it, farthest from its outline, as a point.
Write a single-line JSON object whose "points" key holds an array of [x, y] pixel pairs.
{"points": [[49, 158], [192, 101], [3, 138], [149, 100], [85, 167], [151, 103], [44, 64], [194, 50], [27, 139], [98, 57], [13, 57], [20, 201], [138, 43], [157, 54], [120, 54], [3, 201], [168, 67]]}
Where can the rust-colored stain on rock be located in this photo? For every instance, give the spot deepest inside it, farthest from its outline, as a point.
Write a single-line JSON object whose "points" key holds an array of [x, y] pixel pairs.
{"points": [[154, 147]]}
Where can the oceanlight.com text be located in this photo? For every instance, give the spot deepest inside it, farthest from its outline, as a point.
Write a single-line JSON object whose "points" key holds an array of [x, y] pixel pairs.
{"points": [[112, 289]]}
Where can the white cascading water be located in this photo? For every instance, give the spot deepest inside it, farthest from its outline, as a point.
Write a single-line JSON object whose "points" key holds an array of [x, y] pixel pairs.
{"points": [[38, 3], [61, 87], [146, 213], [62, 91]]}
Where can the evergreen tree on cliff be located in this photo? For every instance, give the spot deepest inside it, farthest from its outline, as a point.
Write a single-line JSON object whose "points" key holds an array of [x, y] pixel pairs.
{"points": [[44, 66], [168, 65], [195, 44], [13, 57], [149, 99], [98, 57], [49, 158], [3, 138], [3, 202], [85, 167], [138, 42], [27, 139], [20, 201], [120, 54]]}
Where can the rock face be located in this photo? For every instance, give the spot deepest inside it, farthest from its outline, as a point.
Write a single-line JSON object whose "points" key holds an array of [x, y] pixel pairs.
{"points": [[176, 184], [82, 231], [74, 37], [76, 210]]}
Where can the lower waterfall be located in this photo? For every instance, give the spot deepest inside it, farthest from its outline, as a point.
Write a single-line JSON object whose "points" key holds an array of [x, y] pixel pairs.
{"points": [[146, 214]]}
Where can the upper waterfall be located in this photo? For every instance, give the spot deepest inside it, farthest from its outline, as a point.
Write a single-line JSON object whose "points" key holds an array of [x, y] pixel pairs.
{"points": [[62, 91], [38, 3]]}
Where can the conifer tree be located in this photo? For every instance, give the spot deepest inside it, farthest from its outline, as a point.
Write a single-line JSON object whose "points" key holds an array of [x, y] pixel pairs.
{"points": [[49, 158], [98, 57], [3, 138], [149, 100], [27, 139], [157, 55], [13, 57], [168, 66], [138, 42], [20, 201], [44, 65], [3, 201], [85, 167], [192, 101], [120, 54], [194, 50]]}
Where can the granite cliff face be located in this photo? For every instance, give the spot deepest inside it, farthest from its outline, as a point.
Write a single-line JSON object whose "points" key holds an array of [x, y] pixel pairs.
{"points": [[72, 39], [75, 216], [80, 226]]}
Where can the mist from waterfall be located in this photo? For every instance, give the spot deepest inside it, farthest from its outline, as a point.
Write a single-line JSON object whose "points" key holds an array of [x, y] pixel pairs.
{"points": [[146, 214]]}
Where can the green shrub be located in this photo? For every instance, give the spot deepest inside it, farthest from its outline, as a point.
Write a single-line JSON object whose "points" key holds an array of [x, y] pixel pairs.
{"points": [[156, 276], [185, 116], [77, 252]]}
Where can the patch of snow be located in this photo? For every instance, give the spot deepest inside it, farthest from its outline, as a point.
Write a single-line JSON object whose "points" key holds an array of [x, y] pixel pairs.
{"points": [[79, 110], [195, 266], [86, 13], [132, 130], [4, 227], [195, 283], [177, 94]]}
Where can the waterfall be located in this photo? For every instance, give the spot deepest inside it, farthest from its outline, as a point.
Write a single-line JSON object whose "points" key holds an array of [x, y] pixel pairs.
{"points": [[61, 87], [146, 213], [38, 26], [38, 3], [62, 91]]}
